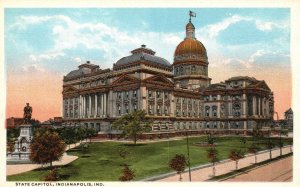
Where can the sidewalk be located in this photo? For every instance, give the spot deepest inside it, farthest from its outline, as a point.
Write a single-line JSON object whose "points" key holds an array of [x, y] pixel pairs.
{"points": [[21, 168], [268, 172], [205, 172]]}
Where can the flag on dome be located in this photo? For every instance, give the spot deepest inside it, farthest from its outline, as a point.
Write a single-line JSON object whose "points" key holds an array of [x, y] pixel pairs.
{"points": [[192, 14]]}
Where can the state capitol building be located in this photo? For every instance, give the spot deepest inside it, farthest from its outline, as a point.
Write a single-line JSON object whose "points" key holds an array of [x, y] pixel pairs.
{"points": [[178, 96]]}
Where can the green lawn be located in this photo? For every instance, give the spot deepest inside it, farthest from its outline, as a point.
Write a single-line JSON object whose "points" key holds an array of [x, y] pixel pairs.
{"points": [[102, 161]]}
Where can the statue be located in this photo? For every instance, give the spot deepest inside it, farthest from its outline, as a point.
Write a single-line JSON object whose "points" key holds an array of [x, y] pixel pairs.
{"points": [[27, 113]]}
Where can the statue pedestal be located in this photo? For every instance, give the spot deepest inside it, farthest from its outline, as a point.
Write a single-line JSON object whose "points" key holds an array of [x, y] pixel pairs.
{"points": [[22, 144]]}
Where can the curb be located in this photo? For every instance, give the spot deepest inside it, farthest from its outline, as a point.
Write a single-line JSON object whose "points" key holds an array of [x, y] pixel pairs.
{"points": [[162, 176], [243, 172]]}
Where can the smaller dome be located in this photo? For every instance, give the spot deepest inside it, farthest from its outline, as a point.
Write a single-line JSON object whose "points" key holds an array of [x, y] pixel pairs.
{"points": [[143, 53], [78, 72]]}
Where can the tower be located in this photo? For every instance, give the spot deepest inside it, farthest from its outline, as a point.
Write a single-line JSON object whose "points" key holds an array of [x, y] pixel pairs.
{"points": [[190, 67]]}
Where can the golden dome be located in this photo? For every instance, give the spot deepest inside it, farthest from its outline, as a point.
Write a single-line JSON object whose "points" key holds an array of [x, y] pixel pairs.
{"points": [[190, 49]]}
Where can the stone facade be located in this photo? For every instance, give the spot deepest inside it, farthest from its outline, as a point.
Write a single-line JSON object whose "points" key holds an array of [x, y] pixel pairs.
{"points": [[178, 96]]}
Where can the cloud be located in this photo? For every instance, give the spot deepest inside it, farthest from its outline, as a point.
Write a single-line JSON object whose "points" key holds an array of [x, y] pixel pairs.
{"points": [[33, 68], [113, 43], [78, 60], [267, 26], [46, 56], [257, 54], [215, 29]]}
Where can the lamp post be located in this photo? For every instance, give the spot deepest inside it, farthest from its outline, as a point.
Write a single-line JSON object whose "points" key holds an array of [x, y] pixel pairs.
{"points": [[280, 140], [188, 153]]}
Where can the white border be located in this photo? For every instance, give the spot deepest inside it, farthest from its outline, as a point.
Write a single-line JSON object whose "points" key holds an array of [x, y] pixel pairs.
{"points": [[294, 5]]}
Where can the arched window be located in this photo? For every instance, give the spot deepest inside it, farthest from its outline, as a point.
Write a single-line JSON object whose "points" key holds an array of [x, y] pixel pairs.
{"points": [[193, 69], [207, 111], [181, 70], [214, 111]]}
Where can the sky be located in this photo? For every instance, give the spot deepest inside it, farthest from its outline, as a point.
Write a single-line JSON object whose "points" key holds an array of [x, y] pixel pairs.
{"points": [[42, 45]]}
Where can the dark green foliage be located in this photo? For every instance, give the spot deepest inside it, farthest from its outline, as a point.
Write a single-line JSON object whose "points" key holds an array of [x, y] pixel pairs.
{"points": [[211, 140], [12, 134], [133, 124]]}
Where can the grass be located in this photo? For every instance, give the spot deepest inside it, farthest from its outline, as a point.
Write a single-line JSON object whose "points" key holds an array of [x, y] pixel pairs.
{"points": [[102, 162]]}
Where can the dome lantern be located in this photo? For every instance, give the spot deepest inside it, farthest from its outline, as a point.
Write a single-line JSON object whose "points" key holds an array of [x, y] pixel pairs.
{"points": [[190, 30]]}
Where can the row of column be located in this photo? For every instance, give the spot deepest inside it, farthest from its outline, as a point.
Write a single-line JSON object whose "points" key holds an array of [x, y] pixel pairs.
{"points": [[69, 109], [93, 105], [187, 107], [163, 106], [259, 107]]}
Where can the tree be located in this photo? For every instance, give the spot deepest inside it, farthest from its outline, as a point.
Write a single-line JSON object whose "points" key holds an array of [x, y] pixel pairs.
{"points": [[280, 143], [253, 149], [211, 140], [128, 174], [243, 140], [80, 134], [123, 153], [52, 175], [133, 124], [178, 163], [10, 146], [290, 142], [269, 145], [91, 133], [68, 135], [236, 155], [212, 155], [46, 147]]}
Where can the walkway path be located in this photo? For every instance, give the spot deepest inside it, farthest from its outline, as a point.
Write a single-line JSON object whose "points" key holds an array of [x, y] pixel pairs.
{"points": [[269, 172], [21, 168], [226, 167]]}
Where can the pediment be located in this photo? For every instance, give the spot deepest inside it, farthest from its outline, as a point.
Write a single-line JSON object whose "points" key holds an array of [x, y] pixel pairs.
{"points": [[159, 79], [261, 85], [125, 79], [69, 89]]}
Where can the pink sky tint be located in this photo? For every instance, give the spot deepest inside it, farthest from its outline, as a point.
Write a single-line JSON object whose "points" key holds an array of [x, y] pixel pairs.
{"points": [[41, 89], [278, 79]]}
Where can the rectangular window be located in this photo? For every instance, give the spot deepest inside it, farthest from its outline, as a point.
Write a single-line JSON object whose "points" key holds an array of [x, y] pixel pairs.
{"points": [[135, 107], [158, 94], [134, 93], [158, 109], [127, 109], [127, 95], [207, 113], [166, 110], [119, 110], [149, 93], [150, 109], [166, 95]]}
